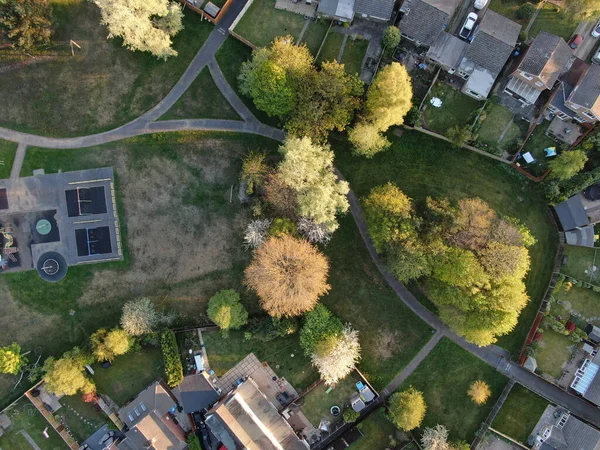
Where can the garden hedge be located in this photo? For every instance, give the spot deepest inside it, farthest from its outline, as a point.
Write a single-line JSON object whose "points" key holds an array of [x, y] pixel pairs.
{"points": [[170, 351]]}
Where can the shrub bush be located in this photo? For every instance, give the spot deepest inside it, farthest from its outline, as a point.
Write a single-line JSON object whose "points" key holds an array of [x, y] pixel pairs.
{"points": [[526, 11], [350, 415], [557, 326], [193, 442], [570, 326], [170, 351]]}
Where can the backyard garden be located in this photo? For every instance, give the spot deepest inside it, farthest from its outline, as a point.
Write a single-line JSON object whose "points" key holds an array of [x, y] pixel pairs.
{"points": [[457, 109], [316, 405], [519, 414], [497, 132], [535, 145], [81, 419], [378, 433]]}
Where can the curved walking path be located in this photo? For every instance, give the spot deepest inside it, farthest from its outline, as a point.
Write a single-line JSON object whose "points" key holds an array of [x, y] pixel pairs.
{"points": [[492, 355]]}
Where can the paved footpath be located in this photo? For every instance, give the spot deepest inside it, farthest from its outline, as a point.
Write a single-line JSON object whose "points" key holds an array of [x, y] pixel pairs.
{"points": [[492, 355]]}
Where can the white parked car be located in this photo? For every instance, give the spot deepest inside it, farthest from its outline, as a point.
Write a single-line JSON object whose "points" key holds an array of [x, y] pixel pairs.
{"points": [[468, 26], [596, 30], [480, 4]]}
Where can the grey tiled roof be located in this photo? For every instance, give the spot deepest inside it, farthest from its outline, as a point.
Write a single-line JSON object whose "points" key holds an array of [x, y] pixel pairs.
{"points": [[547, 58], [448, 50], [587, 92], [581, 436], [500, 27], [572, 214], [381, 9], [423, 23]]}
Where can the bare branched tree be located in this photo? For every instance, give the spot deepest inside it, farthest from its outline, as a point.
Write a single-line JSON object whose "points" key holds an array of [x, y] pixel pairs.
{"points": [[315, 233], [256, 233]]}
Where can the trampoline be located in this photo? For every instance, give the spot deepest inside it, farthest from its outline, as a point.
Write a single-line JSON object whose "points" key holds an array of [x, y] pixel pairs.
{"points": [[86, 201], [93, 241], [592, 193], [52, 267], [43, 226]]}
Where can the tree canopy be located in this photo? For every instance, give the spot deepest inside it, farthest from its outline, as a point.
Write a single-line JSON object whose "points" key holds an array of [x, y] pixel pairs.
{"points": [[27, 23], [319, 324], [367, 140], [106, 345], [147, 26], [11, 360], [335, 364], [140, 317], [226, 311], [406, 409], [288, 275], [567, 164], [391, 38], [307, 168], [66, 376], [480, 392]]}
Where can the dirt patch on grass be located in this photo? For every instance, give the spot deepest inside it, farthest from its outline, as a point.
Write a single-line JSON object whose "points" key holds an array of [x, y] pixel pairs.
{"points": [[387, 344]]}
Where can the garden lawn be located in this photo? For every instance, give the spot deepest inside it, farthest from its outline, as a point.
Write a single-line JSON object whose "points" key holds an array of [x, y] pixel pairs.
{"points": [[535, 145], [202, 100], [560, 23], [314, 35], [230, 57], [390, 333], [262, 22], [25, 418], [584, 301], [553, 352], [520, 413], [331, 48], [580, 261], [354, 54], [457, 109], [7, 156], [82, 419], [425, 166], [492, 128], [376, 430], [129, 374], [317, 403], [444, 377], [104, 86], [223, 354]]}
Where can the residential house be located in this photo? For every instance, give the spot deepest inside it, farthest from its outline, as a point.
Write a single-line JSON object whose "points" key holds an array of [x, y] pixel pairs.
{"points": [[424, 21], [546, 59], [557, 429], [575, 222], [492, 44], [448, 51], [149, 418], [245, 419], [196, 393], [347, 10], [582, 102], [587, 380]]}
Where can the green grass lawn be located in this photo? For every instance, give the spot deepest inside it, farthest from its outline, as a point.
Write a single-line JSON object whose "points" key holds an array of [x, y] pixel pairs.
{"points": [[331, 48], [424, 166], [105, 85], [262, 22], [314, 35], [492, 128], [560, 23], [535, 145], [129, 374], [507, 8], [24, 417], [444, 378], [376, 430], [82, 419], [354, 53], [553, 353], [317, 403], [580, 261], [230, 57], [7, 156], [520, 413], [202, 100], [223, 354], [584, 301], [457, 109]]}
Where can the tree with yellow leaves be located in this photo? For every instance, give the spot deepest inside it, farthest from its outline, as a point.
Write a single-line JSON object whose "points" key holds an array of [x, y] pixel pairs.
{"points": [[480, 392]]}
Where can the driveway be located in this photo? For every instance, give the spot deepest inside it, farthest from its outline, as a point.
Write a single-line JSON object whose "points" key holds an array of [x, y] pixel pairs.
{"points": [[585, 29]]}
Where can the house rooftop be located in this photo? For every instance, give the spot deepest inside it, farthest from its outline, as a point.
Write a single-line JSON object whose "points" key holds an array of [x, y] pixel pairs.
{"points": [[343, 9], [423, 22], [557, 429], [587, 92], [380, 9], [547, 57], [572, 214], [448, 50], [196, 393]]}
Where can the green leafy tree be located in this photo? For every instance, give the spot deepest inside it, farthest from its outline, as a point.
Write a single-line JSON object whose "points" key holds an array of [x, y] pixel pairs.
{"points": [[254, 170], [389, 97], [367, 140], [391, 38], [319, 325], [106, 345], [459, 136], [171, 358], [66, 376], [526, 11], [27, 23], [271, 77], [226, 311], [308, 169], [460, 268], [350, 415], [406, 409], [146, 26], [11, 360], [326, 100], [567, 164], [283, 226]]}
